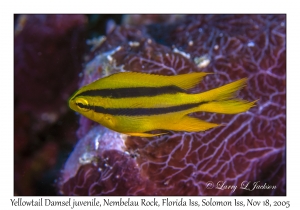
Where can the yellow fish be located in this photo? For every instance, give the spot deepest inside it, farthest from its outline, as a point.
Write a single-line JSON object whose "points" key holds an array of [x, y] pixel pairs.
{"points": [[137, 103]]}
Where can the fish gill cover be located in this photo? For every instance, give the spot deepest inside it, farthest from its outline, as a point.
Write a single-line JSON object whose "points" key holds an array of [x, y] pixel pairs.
{"points": [[250, 148]]}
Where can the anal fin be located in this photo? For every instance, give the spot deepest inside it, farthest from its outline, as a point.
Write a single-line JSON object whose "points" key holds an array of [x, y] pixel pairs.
{"points": [[191, 124]]}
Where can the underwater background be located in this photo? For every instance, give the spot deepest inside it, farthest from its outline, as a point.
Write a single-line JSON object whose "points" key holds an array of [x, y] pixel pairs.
{"points": [[57, 152]]}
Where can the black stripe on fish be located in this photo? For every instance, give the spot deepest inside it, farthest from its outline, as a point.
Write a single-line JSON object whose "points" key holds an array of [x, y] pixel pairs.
{"points": [[132, 92], [140, 111]]}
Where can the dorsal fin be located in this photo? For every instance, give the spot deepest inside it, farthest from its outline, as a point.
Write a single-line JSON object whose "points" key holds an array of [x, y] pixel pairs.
{"points": [[135, 79]]}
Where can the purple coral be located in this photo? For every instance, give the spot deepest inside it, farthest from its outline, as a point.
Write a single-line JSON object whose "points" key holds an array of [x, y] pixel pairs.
{"points": [[249, 149], [47, 59]]}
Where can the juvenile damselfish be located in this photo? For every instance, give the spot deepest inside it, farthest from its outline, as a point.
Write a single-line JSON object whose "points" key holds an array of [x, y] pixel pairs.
{"points": [[137, 103]]}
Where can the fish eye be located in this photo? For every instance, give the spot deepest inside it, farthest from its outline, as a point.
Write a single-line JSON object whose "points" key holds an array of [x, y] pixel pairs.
{"points": [[82, 104]]}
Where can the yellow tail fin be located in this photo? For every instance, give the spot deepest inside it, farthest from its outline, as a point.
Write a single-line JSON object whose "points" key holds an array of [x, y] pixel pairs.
{"points": [[224, 92], [220, 100], [227, 107]]}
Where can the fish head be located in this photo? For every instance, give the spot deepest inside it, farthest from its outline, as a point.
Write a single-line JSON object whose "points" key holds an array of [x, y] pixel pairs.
{"points": [[80, 104], [85, 105]]}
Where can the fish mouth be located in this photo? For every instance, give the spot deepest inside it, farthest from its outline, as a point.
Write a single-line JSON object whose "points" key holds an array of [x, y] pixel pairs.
{"points": [[79, 104], [72, 104]]}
